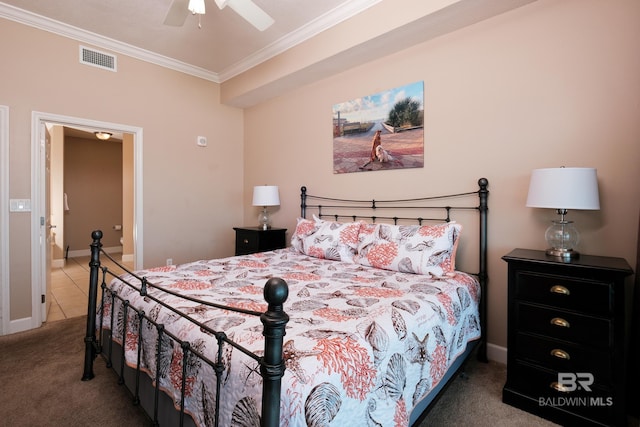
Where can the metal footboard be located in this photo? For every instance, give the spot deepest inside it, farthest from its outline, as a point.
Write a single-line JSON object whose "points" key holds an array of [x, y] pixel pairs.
{"points": [[271, 364]]}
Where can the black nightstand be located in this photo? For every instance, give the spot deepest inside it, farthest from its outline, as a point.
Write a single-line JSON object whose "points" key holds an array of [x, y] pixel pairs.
{"points": [[254, 239], [567, 337]]}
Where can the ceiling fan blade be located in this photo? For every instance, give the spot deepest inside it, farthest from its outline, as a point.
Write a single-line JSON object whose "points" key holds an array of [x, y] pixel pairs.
{"points": [[177, 13], [251, 12]]}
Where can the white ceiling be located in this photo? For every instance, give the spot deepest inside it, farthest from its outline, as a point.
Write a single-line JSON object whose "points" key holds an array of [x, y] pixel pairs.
{"points": [[224, 46]]}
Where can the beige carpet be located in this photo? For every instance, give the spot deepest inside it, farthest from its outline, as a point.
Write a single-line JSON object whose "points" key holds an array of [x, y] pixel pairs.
{"points": [[475, 399], [40, 386]]}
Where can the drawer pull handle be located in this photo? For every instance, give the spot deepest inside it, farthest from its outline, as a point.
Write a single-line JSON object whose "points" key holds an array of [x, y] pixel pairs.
{"points": [[557, 289], [558, 387], [246, 241], [559, 321], [560, 354]]}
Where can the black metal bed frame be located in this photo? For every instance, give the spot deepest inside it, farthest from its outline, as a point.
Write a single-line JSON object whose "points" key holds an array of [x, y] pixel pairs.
{"points": [[333, 208], [274, 321], [272, 365]]}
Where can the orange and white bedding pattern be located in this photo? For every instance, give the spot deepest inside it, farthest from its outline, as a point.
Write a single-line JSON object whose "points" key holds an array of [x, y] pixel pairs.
{"points": [[362, 347]]}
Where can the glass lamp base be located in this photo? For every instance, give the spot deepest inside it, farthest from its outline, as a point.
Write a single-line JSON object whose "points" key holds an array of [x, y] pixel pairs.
{"points": [[562, 237], [263, 219], [565, 254]]}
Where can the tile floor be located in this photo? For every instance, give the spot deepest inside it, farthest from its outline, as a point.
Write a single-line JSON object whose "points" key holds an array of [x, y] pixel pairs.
{"points": [[70, 286]]}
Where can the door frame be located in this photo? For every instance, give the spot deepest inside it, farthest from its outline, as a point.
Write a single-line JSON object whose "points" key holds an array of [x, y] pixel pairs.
{"points": [[38, 191], [4, 221]]}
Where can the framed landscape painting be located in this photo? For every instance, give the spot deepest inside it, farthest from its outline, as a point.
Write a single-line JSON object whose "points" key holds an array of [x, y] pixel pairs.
{"points": [[380, 131]]}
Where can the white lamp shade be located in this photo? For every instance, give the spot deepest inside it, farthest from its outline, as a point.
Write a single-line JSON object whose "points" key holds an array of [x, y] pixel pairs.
{"points": [[266, 195], [564, 188]]}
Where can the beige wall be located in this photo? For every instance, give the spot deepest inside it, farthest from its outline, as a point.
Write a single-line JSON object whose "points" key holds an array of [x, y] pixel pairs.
{"points": [[82, 178], [552, 83], [192, 195]]}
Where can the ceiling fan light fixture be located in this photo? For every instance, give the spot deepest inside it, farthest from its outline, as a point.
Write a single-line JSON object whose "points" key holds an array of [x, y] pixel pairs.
{"points": [[103, 136], [196, 7], [247, 9]]}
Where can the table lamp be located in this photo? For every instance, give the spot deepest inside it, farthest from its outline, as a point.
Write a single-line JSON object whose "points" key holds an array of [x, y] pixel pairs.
{"points": [[265, 195], [563, 189]]}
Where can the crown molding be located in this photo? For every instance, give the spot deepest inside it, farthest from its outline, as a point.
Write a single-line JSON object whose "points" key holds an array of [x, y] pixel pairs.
{"points": [[324, 22], [56, 27], [313, 28]]}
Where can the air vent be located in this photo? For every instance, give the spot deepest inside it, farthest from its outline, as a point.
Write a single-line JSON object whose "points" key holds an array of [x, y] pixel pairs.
{"points": [[97, 59]]}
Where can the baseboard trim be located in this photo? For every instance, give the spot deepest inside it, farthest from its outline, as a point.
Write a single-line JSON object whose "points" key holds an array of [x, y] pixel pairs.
{"points": [[20, 325], [497, 353], [87, 252]]}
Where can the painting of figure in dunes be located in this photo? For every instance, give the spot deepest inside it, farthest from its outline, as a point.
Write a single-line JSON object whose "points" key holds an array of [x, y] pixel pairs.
{"points": [[380, 131]]}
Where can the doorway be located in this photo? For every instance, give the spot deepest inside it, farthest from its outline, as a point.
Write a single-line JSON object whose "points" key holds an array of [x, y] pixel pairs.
{"points": [[41, 250]]}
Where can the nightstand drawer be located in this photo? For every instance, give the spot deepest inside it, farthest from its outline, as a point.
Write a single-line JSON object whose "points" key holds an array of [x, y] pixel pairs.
{"points": [[563, 325], [560, 291], [246, 242], [254, 239], [563, 356]]}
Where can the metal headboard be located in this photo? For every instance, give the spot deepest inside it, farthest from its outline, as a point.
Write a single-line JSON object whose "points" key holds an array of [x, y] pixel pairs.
{"points": [[427, 209]]}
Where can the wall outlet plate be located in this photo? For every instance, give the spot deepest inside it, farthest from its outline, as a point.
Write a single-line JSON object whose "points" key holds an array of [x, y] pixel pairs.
{"points": [[202, 141]]}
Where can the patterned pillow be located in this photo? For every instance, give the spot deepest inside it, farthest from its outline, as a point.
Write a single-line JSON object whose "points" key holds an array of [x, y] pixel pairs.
{"points": [[426, 249], [326, 239]]}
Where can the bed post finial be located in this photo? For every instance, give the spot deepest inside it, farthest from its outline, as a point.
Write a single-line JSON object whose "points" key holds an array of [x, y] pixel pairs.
{"points": [[272, 365], [303, 202], [90, 336], [483, 183]]}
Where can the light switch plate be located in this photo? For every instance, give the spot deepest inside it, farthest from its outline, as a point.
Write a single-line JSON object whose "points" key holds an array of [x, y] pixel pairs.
{"points": [[19, 205], [202, 141]]}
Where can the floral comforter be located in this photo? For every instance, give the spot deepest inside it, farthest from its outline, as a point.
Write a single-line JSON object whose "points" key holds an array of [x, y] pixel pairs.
{"points": [[362, 347]]}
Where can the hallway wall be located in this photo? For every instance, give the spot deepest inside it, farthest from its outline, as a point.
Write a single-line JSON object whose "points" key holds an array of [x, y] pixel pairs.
{"points": [[90, 166]]}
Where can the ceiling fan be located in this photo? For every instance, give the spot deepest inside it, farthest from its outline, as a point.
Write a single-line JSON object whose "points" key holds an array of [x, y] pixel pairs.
{"points": [[180, 9]]}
